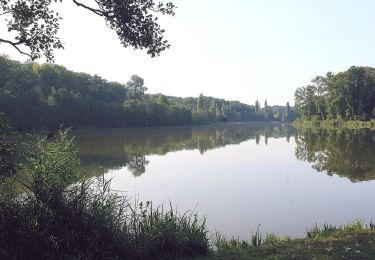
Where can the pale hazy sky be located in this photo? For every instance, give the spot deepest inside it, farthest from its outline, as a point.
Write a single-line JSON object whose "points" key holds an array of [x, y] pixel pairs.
{"points": [[234, 49]]}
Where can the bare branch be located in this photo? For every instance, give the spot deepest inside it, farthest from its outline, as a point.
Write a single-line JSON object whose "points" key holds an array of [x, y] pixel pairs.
{"points": [[96, 11], [15, 45], [7, 12]]}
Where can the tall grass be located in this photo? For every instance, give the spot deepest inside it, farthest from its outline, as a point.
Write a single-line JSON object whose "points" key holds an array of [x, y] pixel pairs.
{"points": [[327, 230], [53, 218], [256, 239]]}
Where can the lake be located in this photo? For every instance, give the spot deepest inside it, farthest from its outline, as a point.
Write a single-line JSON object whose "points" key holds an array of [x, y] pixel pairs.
{"points": [[241, 175]]}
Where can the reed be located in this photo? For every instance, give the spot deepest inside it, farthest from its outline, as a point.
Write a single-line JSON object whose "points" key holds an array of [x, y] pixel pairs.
{"points": [[54, 219]]}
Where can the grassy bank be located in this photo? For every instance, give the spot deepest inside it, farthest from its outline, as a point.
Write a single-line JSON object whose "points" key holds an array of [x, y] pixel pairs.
{"points": [[51, 218], [352, 241], [334, 123]]}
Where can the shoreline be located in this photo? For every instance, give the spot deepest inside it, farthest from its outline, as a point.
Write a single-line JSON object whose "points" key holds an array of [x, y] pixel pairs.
{"points": [[349, 241], [334, 124]]}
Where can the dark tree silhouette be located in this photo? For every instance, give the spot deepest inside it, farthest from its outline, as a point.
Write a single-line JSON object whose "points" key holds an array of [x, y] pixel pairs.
{"points": [[36, 24]]}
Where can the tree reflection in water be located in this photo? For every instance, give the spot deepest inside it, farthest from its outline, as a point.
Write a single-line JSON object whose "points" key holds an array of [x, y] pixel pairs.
{"points": [[345, 152], [103, 150]]}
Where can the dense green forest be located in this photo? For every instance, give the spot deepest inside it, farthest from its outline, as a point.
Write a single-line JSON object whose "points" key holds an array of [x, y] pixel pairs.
{"points": [[348, 95], [37, 96]]}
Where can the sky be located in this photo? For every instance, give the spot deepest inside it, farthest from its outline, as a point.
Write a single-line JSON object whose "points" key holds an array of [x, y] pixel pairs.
{"points": [[242, 50]]}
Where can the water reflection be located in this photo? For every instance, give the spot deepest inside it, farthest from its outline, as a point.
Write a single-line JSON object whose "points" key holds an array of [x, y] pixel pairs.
{"points": [[263, 176], [347, 153], [103, 150]]}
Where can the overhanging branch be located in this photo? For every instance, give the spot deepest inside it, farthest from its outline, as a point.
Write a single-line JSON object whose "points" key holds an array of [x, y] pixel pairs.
{"points": [[95, 11], [7, 12], [15, 45]]}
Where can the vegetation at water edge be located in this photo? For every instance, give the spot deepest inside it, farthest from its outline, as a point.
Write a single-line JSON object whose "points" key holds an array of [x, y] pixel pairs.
{"points": [[57, 215], [334, 123], [346, 99], [351, 241]]}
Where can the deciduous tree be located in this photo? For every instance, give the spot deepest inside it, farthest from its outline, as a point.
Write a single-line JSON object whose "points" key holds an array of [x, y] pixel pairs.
{"points": [[35, 24]]}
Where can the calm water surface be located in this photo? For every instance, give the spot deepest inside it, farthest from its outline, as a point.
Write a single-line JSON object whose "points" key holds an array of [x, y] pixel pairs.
{"points": [[241, 175]]}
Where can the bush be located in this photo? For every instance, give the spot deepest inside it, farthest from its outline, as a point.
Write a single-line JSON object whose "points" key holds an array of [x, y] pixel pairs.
{"points": [[57, 216], [7, 151]]}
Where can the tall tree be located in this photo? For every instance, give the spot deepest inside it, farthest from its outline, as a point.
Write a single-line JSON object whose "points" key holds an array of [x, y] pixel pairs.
{"points": [[135, 88], [257, 106], [286, 114], [213, 105], [200, 103], [266, 107], [348, 95], [287, 108], [305, 101]]}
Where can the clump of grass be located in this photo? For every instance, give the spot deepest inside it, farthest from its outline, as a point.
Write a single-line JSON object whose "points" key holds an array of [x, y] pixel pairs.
{"points": [[223, 244], [256, 237], [272, 239], [53, 218], [328, 230], [160, 232]]}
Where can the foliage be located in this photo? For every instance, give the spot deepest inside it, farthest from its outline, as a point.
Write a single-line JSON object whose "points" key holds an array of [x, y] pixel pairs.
{"points": [[288, 115], [348, 95], [8, 164], [257, 106], [54, 218], [36, 24], [37, 96], [135, 89], [209, 109], [50, 166]]}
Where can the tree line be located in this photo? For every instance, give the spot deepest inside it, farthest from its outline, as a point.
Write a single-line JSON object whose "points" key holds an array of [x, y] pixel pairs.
{"points": [[37, 96], [348, 95], [209, 109]]}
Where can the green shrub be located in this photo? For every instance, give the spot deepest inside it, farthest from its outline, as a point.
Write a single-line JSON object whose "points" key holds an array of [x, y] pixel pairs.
{"points": [[8, 163], [58, 216]]}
